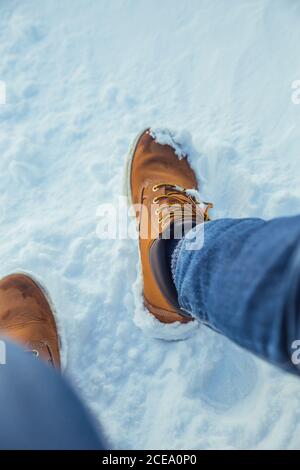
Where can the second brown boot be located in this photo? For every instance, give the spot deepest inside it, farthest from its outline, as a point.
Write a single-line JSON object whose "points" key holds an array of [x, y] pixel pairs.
{"points": [[26, 317]]}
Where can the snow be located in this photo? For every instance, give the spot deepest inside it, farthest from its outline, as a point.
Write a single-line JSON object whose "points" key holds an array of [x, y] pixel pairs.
{"points": [[178, 140], [82, 78]]}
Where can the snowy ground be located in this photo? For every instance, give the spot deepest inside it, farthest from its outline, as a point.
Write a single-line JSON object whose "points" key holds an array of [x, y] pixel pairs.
{"points": [[83, 77]]}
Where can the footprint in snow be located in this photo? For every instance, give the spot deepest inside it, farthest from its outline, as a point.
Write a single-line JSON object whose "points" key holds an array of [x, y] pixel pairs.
{"points": [[228, 382]]}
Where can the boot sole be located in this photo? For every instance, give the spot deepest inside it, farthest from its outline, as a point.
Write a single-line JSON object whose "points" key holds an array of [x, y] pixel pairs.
{"points": [[129, 159]]}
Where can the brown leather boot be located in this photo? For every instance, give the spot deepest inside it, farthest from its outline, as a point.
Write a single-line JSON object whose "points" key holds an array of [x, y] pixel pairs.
{"points": [[26, 317], [157, 179]]}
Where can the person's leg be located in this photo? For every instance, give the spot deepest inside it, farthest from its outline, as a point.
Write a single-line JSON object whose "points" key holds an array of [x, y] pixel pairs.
{"points": [[245, 283], [38, 409]]}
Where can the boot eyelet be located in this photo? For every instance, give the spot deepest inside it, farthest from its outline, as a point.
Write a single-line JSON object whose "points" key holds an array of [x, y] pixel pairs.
{"points": [[155, 188], [156, 212], [35, 353], [155, 201]]}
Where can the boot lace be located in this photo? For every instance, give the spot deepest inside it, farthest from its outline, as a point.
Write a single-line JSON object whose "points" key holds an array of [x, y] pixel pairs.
{"points": [[181, 202]]}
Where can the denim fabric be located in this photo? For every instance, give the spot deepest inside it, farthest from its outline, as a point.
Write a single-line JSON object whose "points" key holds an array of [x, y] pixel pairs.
{"points": [[39, 410], [245, 283]]}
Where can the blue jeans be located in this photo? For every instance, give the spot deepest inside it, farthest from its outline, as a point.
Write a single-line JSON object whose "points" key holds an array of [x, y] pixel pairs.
{"points": [[245, 283], [39, 410]]}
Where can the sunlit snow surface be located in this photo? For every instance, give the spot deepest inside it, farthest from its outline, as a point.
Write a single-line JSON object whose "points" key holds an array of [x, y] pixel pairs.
{"points": [[83, 78]]}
